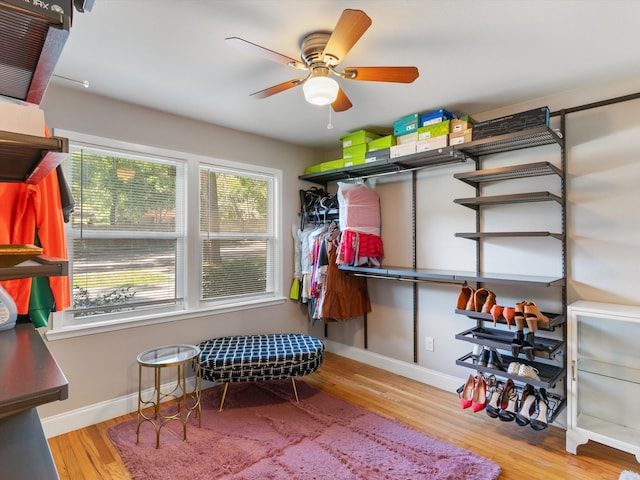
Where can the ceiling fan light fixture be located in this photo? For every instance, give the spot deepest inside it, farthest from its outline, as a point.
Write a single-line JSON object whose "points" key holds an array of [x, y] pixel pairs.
{"points": [[320, 90]]}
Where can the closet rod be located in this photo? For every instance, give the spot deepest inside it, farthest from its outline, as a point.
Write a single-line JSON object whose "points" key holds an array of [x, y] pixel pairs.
{"points": [[601, 103], [399, 170], [406, 279]]}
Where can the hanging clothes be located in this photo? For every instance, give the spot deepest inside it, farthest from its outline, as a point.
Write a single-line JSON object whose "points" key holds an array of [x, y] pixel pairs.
{"points": [[341, 296], [360, 243], [25, 208]]}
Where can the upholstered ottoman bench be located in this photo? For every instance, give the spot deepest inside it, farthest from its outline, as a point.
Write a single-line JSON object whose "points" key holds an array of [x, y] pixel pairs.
{"points": [[255, 358]]}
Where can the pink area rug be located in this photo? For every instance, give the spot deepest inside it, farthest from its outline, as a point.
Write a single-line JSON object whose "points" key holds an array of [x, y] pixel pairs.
{"points": [[263, 434]]}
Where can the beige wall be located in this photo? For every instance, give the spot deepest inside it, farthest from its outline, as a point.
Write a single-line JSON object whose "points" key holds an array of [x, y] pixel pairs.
{"points": [[603, 234], [101, 367], [602, 227]]}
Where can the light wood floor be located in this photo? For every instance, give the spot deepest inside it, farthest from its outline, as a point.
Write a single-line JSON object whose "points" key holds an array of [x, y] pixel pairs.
{"points": [[522, 453]]}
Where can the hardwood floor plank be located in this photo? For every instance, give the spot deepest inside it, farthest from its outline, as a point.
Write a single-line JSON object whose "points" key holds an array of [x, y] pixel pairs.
{"points": [[522, 452]]}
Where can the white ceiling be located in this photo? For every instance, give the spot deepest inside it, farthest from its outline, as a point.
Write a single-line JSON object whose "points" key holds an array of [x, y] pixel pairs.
{"points": [[473, 56]]}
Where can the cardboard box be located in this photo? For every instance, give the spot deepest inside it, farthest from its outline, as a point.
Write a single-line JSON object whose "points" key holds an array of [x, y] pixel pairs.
{"points": [[407, 138], [404, 125], [432, 143], [26, 118], [434, 130], [434, 117], [402, 150], [458, 126], [381, 143], [461, 137], [332, 165], [375, 155], [537, 117], [356, 138]]}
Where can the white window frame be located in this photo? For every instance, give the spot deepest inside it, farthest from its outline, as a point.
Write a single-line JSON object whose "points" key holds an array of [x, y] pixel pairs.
{"points": [[63, 325]]}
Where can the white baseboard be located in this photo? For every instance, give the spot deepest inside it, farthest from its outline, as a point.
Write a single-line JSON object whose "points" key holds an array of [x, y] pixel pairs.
{"points": [[409, 370], [66, 422]]}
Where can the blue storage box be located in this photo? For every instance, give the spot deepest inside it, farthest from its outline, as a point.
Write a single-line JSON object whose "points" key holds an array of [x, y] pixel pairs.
{"points": [[435, 117], [404, 125]]}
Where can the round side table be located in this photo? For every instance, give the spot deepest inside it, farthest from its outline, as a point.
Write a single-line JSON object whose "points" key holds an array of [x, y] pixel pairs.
{"points": [[186, 402]]}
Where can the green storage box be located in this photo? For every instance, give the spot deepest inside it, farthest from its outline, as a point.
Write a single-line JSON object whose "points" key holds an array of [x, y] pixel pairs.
{"points": [[357, 138], [434, 130], [312, 169], [350, 162], [332, 165], [381, 143], [354, 152]]}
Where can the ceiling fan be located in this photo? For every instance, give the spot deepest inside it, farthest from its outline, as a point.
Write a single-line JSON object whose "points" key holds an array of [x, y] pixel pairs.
{"points": [[321, 52]]}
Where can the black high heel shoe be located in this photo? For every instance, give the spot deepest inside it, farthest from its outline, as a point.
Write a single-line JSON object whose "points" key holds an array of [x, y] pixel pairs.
{"points": [[495, 390], [527, 406], [517, 343], [509, 402], [540, 420]]}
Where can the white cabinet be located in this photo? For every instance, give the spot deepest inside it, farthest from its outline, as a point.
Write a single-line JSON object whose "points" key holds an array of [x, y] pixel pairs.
{"points": [[604, 385]]}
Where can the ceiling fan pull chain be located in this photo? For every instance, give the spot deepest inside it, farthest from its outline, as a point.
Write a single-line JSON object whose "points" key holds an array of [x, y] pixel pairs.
{"points": [[329, 125]]}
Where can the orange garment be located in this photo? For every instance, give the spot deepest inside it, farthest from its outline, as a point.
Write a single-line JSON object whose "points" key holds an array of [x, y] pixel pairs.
{"points": [[23, 207]]}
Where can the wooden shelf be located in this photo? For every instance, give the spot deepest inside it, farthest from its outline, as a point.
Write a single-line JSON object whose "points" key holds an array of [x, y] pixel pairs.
{"points": [[41, 266], [24, 451], [30, 375], [27, 158]]}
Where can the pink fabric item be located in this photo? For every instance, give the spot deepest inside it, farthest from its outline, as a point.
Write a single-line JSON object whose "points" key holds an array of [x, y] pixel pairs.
{"points": [[354, 244], [263, 434], [359, 208]]}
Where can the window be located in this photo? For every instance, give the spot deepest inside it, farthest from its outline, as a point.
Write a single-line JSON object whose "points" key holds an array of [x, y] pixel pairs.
{"points": [[237, 234], [127, 233], [129, 237]]}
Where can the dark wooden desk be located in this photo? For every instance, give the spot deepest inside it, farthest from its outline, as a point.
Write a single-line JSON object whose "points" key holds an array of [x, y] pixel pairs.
{"points": [[29, 376]]}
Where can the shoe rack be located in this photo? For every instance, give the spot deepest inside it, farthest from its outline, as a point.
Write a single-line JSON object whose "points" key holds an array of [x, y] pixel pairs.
{"points": [[549, 352]]}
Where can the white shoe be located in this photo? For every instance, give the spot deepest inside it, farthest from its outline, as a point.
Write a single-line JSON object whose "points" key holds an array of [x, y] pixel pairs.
{"points": [[528, 371], [514, 368]]}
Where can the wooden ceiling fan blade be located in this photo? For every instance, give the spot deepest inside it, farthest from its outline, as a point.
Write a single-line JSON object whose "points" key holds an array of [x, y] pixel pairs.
{"points": [[350, 27], [263, 52], [281, 87], [342, 102], [381, 74]]}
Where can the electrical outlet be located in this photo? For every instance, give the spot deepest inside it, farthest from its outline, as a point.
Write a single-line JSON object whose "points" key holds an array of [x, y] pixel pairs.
{"points": [[428, 344]]}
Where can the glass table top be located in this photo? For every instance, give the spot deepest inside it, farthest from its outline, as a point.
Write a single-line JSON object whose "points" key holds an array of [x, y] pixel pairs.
{"points": [[168, 355]]}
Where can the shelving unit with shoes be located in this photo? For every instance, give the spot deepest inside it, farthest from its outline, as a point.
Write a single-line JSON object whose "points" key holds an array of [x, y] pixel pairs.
{"points": [[529, 341]]}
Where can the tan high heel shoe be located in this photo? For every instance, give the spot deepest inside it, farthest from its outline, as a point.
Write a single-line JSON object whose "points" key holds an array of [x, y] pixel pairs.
{"points": [[518, 316], [484, 300], [465, 296], [531, 310], [489, 302]]}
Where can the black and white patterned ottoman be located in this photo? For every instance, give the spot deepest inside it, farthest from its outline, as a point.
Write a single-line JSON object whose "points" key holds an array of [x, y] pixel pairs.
{"points": [[255, 358]]}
